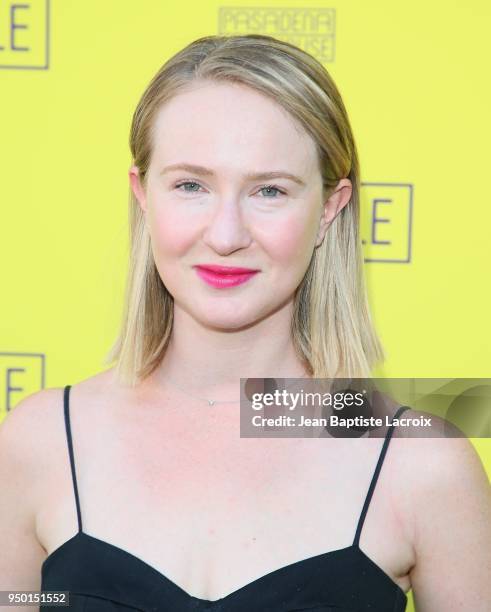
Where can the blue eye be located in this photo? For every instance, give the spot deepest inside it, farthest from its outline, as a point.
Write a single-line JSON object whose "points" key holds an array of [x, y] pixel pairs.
{"points": [[270, 188], [187, 183]]}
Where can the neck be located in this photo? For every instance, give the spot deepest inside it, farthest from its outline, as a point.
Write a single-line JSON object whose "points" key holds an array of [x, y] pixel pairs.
{"points": [[212, 361]]}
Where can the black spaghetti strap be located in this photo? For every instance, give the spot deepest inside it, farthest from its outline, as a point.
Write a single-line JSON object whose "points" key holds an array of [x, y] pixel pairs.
{"points": [[66, 406], [376, 473]]}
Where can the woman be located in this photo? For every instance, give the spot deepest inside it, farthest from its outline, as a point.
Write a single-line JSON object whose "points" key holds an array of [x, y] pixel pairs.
{"points": [[243, 157]]}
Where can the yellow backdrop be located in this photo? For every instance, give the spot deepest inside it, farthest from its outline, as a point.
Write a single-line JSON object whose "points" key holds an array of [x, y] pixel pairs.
{"points": [[415, 78]]}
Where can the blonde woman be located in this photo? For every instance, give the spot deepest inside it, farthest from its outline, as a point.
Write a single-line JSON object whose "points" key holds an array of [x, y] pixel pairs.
{"points": [[132, 489]]}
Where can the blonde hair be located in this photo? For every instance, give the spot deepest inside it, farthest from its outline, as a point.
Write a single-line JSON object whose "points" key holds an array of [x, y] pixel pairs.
{"points": [[331, 325]]}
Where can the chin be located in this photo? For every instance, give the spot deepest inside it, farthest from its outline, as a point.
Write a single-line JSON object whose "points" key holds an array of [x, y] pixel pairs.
{"points": [[231, 323]]}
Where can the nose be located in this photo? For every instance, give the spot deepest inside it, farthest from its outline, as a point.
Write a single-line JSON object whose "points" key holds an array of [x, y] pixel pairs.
{"points": [[226, 230]]}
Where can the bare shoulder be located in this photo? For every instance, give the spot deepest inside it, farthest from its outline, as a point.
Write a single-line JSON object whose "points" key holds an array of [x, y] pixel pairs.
{"points": [[433, 455], [27, 426], [23, 464], [99, 391], [447, 495], [33, 436], [37, 421], [431, 446], [32, 461]]}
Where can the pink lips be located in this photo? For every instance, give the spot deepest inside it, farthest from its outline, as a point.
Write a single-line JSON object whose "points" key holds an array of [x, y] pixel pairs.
{"points": [[224, 276]]}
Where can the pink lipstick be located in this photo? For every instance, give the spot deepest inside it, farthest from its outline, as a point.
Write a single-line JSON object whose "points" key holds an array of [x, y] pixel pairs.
{"points": [[224, 276]]}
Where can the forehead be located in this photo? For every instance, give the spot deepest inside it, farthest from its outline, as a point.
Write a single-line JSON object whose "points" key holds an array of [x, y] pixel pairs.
{"points": [[231, 125]]}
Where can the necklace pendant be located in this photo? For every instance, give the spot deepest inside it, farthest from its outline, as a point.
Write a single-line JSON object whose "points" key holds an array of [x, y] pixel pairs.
{"points": [[211, 402]]}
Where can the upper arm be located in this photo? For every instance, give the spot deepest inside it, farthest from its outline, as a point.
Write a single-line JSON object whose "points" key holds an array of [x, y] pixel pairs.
{"points": [[21, 470], [452, 535]]}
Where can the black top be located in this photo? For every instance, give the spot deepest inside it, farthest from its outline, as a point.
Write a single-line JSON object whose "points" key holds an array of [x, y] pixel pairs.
{"points": [[105, 578]]}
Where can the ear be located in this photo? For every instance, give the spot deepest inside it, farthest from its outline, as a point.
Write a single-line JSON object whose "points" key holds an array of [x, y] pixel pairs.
{"points": [[337, 200], [137, 188]]}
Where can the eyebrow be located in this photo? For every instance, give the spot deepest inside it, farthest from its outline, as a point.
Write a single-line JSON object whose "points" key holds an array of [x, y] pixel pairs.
{"points": [[251, 176]]}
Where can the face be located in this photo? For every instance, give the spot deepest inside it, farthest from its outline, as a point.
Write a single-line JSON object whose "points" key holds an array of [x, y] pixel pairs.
{"points": [[206, 204]]}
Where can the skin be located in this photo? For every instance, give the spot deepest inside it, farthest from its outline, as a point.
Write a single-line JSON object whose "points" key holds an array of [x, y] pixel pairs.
{"points": [[439, 547]]}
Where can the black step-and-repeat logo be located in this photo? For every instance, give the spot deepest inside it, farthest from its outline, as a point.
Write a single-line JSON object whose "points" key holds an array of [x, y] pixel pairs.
{"points": [[21, 374], [24, 35], [386, 222], [311, 29]]}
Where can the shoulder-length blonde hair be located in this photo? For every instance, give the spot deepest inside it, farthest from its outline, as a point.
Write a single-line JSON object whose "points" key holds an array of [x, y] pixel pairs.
{"points": [[331, 326]]}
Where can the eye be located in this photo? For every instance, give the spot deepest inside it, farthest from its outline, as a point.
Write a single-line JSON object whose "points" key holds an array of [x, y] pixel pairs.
{"points": [[194, 184], [187, 183], [272, 188]]}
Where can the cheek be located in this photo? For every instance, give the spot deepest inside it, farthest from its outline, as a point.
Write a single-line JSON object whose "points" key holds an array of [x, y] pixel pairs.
{"points": [[171, 236], [171, 239], [289, 241]]}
